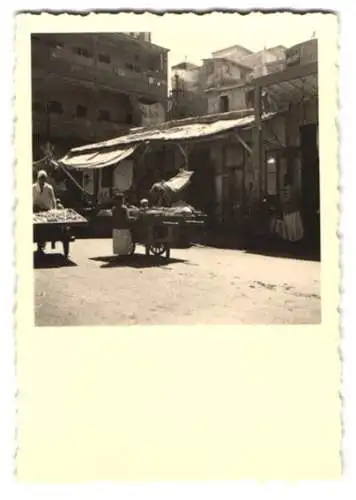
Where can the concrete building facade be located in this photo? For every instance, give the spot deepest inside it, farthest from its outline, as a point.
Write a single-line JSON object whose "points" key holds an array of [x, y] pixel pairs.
{"points": [[224, 79], [87, 87]]}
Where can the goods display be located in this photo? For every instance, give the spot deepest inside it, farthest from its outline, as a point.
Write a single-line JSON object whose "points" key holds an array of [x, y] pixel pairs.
{"points": [[62, 216], [180, 212], [56, 225], [157, 228]]}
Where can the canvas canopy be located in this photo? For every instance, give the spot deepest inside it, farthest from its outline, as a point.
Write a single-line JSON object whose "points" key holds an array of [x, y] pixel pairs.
{"points": [[96, 160]]}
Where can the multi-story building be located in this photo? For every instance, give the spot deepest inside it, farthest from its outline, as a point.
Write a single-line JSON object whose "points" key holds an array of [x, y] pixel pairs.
{"points": [[222, 81], [185, 76], [186, 98], [88, 87], [234, 94]]}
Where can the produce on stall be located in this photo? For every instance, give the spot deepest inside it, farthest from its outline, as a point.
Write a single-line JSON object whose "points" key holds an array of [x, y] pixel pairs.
{"points": [[158, 227], [57, 225]]}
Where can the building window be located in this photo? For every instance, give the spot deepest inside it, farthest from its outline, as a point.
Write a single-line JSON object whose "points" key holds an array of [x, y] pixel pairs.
{"points": [[55, 107], [104, 115], [82, 52], [250, 98], [104, 58], [224, 104], [154, 63], [82, 111], [107, 177]]}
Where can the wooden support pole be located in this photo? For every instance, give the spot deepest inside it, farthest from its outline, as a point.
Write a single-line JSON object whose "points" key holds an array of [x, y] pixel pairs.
{"points": [[184, 150], [258, 140], [242, 142]]}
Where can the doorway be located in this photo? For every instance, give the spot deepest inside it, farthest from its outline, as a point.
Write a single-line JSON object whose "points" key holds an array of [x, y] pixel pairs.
{"points": [[310, 185], [224, 104], [201, 191]]}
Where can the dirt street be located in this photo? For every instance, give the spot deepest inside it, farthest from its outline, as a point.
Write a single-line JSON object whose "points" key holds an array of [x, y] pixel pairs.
{"points": [[198, 285]]}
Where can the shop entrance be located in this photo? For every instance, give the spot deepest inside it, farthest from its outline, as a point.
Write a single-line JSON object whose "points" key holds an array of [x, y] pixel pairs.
{"points": [[310, 185], [201, 191]]}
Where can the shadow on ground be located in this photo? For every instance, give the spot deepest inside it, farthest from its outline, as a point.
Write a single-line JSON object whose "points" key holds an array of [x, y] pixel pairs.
{"points": [[262, 246], [136, 261], [284, 254], [51, 260]]}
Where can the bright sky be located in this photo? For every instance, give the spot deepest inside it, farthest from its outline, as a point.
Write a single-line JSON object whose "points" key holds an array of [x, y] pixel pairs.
{"points": [[194, 37]]}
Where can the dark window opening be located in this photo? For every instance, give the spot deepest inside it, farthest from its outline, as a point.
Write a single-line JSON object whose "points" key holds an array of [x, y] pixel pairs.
{"points": [[154, 63], [250, 98], [82, 52], [55, 107], [107, 177], [129, 118], [224, 104], [104, 58], [129, 66], [82, 111], [104, 115]]}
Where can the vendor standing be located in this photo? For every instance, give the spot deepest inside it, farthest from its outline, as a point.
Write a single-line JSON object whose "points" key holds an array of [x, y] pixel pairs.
{"points": [[43, 199], [43, 194], [121, 233]]}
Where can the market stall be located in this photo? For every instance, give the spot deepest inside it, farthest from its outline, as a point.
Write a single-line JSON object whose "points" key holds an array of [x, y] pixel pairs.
{"points": [[57, 226], [157, 228]]}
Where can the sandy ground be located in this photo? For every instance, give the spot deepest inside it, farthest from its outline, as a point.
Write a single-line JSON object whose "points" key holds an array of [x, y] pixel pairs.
{"points": [[199, 285]]}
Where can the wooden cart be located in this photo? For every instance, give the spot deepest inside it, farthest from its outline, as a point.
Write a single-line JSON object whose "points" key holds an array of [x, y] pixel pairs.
{"points": [[158, 234], [57, 226]]}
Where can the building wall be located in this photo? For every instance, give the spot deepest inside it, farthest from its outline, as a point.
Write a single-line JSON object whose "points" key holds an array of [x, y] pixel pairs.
{"points": [[186, 79], [264, 56], [184, 104], [80, 118], [275, 66], [217, 73], [110, 75], [121, 63], [236, 96], [300, 114], [235, 53], [302, 53], [152, 114], [265, 61]]}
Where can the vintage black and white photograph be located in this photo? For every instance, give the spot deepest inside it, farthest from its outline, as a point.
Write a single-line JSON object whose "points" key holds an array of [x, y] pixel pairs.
{"points": [[176, 247], [177, 183]]}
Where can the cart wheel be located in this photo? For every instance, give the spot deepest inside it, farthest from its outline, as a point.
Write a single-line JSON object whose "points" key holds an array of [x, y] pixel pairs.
{"points": [[158, 249], [66, 248]]}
